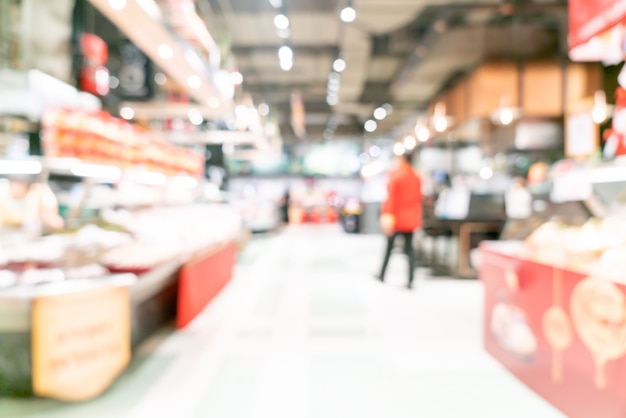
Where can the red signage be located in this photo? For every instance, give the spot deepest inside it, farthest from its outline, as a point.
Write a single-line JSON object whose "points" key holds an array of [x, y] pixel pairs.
{"points": [[559, 332], [588, 18], [202, 279], [94, 49], [94, 76]]}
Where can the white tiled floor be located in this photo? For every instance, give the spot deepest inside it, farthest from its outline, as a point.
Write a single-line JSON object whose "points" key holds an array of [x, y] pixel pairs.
{"points": [[305, 331]]}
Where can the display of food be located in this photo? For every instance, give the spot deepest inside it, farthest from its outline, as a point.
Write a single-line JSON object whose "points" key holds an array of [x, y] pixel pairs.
{"points": [[598, 246], [155, 236], [98, 137], [138, 257]]}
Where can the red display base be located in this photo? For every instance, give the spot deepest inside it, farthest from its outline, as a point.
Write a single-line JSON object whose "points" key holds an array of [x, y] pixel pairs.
{"points": [[561, 333], [201, 279]]}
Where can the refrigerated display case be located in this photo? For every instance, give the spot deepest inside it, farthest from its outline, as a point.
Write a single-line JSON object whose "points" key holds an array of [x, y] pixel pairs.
{"points": [[171, 256], [555, 303]]}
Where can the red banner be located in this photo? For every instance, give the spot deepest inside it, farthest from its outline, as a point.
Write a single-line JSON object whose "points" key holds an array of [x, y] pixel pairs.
{"points": [[588, 18]]}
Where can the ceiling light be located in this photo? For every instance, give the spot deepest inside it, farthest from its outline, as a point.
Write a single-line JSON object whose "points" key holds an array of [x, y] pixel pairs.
{"points": [[194, 82], [599, 112], [410, 142], [283, 33], [286, 65], [285, 53], [506, 116], [423, 133], [380, 113], [117, 4], [348, 14], [166, 52], [375, 151], [398, 148], [195, 117], [236, 77], [160, 79], [339, 65], [334, 84], [264, 109], [281, 21], [276, 4], [440, 119], [441, 124], [370, 125], [127, 113], [332, 100]]}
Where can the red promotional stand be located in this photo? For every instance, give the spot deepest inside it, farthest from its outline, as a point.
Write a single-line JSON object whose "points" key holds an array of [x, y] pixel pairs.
{"points": [[201, 279], [560, 332]]}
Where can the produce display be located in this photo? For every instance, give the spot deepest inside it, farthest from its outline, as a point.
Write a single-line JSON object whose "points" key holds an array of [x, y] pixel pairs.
{"points": [[598, 247], [59, 257], [98, 137], [153, 237]]}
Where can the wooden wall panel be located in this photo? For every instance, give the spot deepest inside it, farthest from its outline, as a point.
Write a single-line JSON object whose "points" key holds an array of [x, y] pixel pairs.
{"points": [[582, 81], [542, 89], [489, 85]]}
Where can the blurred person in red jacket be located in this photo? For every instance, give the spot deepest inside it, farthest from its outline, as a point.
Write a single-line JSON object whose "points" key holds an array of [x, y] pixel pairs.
{"points": [[401, 213]]}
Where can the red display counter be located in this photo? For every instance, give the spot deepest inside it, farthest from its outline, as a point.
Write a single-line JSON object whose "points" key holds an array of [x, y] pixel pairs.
{"points": [[560, 332], [201, 279]]}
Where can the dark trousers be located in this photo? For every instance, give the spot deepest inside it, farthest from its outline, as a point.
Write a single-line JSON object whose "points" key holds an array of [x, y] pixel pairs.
{"points": [[408, 250]]}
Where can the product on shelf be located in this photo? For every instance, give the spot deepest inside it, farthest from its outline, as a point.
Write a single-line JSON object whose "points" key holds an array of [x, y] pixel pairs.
{"points": [[98, 137], [597, 247], [155, 236], [137, 257]]}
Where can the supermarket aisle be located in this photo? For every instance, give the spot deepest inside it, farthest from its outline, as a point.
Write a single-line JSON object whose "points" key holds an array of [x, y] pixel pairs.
{"points": [[305, 331]]}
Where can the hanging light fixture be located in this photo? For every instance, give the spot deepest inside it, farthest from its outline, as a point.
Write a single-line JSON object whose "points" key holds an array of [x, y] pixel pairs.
{"points": [[339, 65], [348, 14], [505, 114], [421, 130], [600, 112], [440, 121]]}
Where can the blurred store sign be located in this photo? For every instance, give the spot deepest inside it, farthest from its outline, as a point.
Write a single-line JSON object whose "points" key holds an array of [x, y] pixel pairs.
{"points": [[80, 342], [596, 30], [590, 18]]}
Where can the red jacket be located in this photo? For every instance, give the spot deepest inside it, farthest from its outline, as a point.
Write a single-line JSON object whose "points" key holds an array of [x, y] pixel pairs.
{"points": [[404, 200]]}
